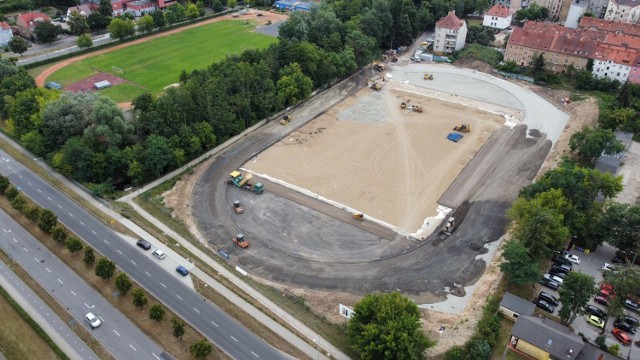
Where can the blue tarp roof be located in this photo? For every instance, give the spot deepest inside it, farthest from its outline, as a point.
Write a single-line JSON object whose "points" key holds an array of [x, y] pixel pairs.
{"points": [[455, 137]]}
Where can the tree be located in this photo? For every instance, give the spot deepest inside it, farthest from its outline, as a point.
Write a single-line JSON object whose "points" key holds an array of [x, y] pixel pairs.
{"points": [[192, 11], [74, 245], [387, 326], [620, 226], [84, 41], [625, 281], [45, 31], [537, 63], [477, 34], [178, 327], [231, 4], [105, 8], [12, 193], [33, 212], [4, 184], [293, 85], [123, 283], [533, 12], [18, 45], [576, 291], [47, 221], [97, 21], [78, 23], [59, 234], [217, 6], [519, 268], [19, 203], [158, 18], [146, 23], [156, 312], [121, 29], [89, 256], [200, 348], [105, 268], [589, 143], [139, 297]]}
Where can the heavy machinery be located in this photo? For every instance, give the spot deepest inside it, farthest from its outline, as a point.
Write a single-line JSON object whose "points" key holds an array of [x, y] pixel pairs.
{"points": [[376, 86], [428, 76], [463, 128], [378, 66], [236, 179], [449, 226], [417, 108], [285, 120], [358, 216], [403, 105], [237, 208], [240, 241]]}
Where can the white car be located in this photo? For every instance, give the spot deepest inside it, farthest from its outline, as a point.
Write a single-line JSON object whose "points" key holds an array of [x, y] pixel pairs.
{"points": [[92, 320], [608, 266], [159, 254], [573, 258], [554, 278]]}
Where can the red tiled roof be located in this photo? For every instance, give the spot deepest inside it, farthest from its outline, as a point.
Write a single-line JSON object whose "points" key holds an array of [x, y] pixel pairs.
{"points": [[617, 54], [32, 16], [556, 38], [4, 25], [451, 21], [629, 3], [609, 26], [499, 11]]}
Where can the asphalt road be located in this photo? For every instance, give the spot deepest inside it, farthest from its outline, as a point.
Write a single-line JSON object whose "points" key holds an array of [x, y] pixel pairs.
{"points": [[117, 333], [167, 287]]}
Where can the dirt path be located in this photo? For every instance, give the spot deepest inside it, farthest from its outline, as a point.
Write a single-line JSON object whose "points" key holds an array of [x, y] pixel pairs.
{"points": [[261, 20]]}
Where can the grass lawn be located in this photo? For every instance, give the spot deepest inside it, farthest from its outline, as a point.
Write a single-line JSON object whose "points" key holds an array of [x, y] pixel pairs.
{"points": [[157, 63]]}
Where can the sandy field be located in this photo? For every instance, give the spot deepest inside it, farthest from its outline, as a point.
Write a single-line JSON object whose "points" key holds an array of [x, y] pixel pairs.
{"points": [[370, 155]]}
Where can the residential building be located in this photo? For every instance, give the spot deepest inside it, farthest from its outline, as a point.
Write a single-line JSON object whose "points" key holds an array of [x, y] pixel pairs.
{"points": [[83, 9], [537, 338], [140, 7], [5, 33], [498, 17], [451, 33], [554, 7], [597, 7], [609, 26], [27, 22], [577, 9], [513, 307], [614, 62], [623, 10], [293, 5]]}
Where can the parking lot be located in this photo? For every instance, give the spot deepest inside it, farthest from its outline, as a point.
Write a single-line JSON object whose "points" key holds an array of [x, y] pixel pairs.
{"points": [[591, 264]]}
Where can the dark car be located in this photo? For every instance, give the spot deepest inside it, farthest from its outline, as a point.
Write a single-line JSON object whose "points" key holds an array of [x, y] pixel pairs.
{"points": [[630, 320], [560, 268], [632, 305], [594, 310], [553, 285], [548, 298], [618, 260], [544, 305], [562, 261], [143, 244], [600, 300], [557, 273], [182, 270], [624, 326]]}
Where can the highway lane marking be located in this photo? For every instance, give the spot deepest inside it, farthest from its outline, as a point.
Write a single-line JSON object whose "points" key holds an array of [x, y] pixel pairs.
{"points": [[163, 285], [60, 281], [70, 214], [236, 340], [134, 349], [156, 356], [49, 198], [40, 191], [48, 270], [198, 311], [133, 262], [25, 249], [29, 182], [36, 259], [74, 294], [94, 233], [105, 241], [59, 206], [116, 332], [254, 354], [20, 176], [147, 273], [88, 307], [178, 296], [82, 223], [119, 251], [215, 324], [14, 240]]}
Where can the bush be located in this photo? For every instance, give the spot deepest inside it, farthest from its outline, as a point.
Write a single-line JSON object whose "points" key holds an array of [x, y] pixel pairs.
{"points": [[123, 284], [59, 234], [47, 221], [11, 192], [89, 256], [4, 184], [33, 212], [156, 312], [74, 245], [19, 203], [601, 342]]}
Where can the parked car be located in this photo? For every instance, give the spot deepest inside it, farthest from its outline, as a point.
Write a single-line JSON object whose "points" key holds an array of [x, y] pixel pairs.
{"points": [[630, 320], [553, 285], [560, 268], [549, 298], [182, 270], [554, 278], [606, 294], [632, 305], [609, 267], [143, 244], [608, 287], [557, 273], [624, 326], [595, 321], [92, 320], [562, 261], [600, 300], [572, 258], [621, 336], [544, 305], [594, 310], [618, 260], [159, 254]]}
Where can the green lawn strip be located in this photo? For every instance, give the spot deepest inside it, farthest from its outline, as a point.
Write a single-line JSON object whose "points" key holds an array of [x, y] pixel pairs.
{"points": [[123, 92], [71, 74], [34, 326], [157, 63]]}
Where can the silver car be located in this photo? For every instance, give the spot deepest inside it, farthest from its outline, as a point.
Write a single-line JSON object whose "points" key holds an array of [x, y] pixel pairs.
{"points": [[92, 320], [159, 254]]}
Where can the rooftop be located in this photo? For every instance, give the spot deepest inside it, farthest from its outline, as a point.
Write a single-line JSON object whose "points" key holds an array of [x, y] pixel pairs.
{"points": [[451, 21], [609, 26], [517, 304], [629, 3], [4, 26], [499, 11], [549, 336], [34, 16]]}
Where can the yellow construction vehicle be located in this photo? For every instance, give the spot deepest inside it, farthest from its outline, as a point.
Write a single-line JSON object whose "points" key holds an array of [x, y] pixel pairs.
{"points": [[376, 86], [237, 208], [378, 66], [285, 120], [358, 216], [240, 241], [428, 76], [463, 128]]}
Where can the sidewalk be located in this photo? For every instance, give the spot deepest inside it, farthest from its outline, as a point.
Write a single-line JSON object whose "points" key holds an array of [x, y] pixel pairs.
{"points": [[57, 330]]}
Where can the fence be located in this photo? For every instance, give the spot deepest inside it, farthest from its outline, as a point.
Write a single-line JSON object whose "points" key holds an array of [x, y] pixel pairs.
{"points": [[515, 76]]}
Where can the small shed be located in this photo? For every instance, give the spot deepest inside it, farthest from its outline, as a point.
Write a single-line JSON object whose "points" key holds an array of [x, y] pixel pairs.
{"points": [[53, 85], [102, 85], [513, 306]]}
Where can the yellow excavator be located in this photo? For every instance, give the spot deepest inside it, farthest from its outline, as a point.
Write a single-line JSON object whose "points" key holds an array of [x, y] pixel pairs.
{"points": [[463, 128]]}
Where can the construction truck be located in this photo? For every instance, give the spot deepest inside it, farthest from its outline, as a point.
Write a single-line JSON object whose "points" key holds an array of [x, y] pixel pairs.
{"points": [[240, 241], [428, 76], [358, 216], [237, 208], [378, 66], [285, 120], [463, 128], [236, 179], [449, 226]]}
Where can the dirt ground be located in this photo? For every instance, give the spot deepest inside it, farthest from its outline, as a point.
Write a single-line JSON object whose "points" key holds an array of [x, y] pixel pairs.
{"points": [[86, 84], [372, 156]]}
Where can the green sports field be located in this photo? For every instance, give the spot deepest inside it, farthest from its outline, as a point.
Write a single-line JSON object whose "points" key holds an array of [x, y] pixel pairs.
{"points": [[157, 63]]}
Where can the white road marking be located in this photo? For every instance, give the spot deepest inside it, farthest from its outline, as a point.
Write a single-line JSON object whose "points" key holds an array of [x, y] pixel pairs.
{"points": [[147, 273], [119, 251], [163, 285], [254, 354], [25, 249], [154, 355], [48, 270], [29, 182], [81, 223], [74, 294], [133, 262], [116, 332], [94, 233], [105, 241], [215, 324], [36, 259], [198, 311], [40, 191], [178, 296], [49, 198], [20, 176], [70, 214], [88, 307], [59, 206], [60, 281], [234, 339], [14, 240], [134, 349]]}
